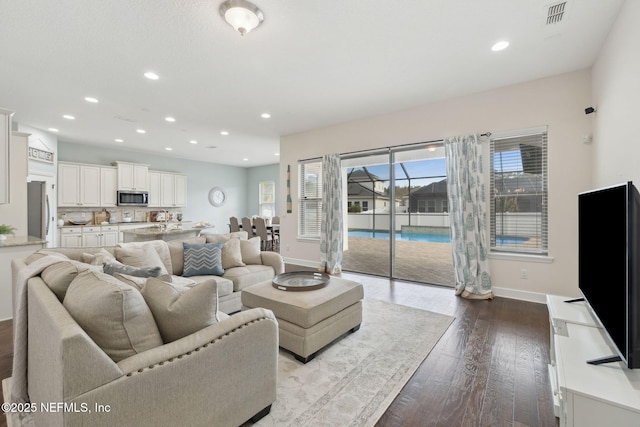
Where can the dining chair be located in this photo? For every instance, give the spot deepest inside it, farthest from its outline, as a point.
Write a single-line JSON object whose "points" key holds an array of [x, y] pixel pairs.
{"points": [[261, 231], [246, 226], [233, 224]]}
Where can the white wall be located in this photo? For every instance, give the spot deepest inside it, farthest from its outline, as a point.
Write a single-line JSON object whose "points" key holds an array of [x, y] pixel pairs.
{"points": [[557, 101], [616, 95]]}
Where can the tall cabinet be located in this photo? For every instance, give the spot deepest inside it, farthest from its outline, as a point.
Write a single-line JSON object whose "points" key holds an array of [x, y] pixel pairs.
{"points": [[5, 134], [588, 395]]}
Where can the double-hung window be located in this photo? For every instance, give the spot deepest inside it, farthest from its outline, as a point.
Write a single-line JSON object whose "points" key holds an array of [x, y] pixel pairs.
{"points": [[518, 212], [309, 199]]}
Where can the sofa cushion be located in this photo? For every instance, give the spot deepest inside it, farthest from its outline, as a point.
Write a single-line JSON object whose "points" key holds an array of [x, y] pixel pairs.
{"points": [[161, 248], [98, 258], [139, 282], [225, 286], [140, 257], [231, 254], [179, 310], [202, 259], [41, 253], [59, 276], [116, 267], [113, 314], [248, 275], [217, 238], [250, 250], [176, 251]]}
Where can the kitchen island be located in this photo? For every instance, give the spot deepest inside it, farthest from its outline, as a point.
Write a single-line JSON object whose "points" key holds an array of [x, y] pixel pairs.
{"points": [[157, 233]]}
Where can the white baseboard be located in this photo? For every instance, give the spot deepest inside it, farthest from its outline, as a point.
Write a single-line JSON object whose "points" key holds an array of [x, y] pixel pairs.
{"points": [[520, 295], [302, 262]]}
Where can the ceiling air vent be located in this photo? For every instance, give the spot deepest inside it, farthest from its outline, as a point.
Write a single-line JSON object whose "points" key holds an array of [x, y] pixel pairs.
{"points": [[555, 13]]}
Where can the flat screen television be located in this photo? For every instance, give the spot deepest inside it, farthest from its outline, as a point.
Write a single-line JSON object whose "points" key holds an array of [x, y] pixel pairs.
{"points": [[609, 265]]}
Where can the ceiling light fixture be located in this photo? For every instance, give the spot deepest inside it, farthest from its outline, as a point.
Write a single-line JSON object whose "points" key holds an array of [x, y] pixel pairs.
{"points": [[151, 75], [54, 130], [170, 119], [69, 117], [224, 132], [169, 149], [242, 15], [91, 99], [265, 115], [193, 141], [141, 131], [501, 45], [119, 140], [245, 159]]}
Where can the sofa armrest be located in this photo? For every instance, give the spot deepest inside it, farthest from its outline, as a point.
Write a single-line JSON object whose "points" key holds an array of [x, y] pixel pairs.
{"points": [[273, 260], [194, 342]]}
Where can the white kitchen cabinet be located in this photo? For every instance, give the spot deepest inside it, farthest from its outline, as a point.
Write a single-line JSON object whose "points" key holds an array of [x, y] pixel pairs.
{"points": [[108, 186], [98, 236], [173, 190], [588, 395], [155, 195], [5, 135], [70, 237], [78, 185], [132, 176]]}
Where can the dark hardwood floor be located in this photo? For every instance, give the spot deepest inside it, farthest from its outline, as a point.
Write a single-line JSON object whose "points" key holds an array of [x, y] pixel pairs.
{"points": [[489, 369]]}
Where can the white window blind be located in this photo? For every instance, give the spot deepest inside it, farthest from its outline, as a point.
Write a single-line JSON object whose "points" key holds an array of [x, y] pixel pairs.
{"points": [[518, 212], [310, 199]]}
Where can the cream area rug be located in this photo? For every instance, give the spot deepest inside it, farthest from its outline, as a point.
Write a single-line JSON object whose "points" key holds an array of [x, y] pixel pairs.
{"points": [[354, 380]]}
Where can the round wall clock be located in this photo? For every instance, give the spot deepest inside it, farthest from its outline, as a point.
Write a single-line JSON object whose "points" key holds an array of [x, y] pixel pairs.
{"points": [[217, 196]]}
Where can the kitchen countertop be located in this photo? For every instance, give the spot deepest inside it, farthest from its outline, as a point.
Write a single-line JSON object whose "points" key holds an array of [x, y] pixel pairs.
{"points": [[151, 224], [154, 230], [21, 241]]}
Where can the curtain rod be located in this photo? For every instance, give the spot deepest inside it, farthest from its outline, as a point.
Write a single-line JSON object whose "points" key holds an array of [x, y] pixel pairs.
{"points": [[382, 149]]}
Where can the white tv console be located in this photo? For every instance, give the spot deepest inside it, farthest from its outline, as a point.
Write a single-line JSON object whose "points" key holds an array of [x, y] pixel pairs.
{"points": [[588, 395]]}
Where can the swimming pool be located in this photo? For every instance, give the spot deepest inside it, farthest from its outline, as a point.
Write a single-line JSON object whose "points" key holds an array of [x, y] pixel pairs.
{"points": [[434, 238]]}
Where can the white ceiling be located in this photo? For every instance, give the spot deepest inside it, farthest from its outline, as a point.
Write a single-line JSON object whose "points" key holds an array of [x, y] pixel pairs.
{"points": [[311, 64]]}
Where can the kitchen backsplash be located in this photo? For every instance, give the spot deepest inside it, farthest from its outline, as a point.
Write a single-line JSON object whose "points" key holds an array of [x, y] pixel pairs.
{"points": [[117, 213]]}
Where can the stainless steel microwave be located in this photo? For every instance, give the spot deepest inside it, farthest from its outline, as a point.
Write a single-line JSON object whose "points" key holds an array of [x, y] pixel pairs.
{"points": [[133, 198]]}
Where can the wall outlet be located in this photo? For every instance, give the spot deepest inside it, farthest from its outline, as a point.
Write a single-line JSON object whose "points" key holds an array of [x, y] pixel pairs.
{"points": [[524, 274]]}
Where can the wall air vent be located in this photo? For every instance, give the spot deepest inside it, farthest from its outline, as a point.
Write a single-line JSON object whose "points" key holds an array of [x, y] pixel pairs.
{"points": [[555, 12]]}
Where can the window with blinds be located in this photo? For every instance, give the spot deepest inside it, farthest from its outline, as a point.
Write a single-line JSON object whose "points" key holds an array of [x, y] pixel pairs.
{"points": [[518, 212], [309, 199]]}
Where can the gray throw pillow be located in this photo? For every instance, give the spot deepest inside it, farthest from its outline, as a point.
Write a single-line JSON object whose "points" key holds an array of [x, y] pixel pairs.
{"points": [[116, 267], [202, 259]]}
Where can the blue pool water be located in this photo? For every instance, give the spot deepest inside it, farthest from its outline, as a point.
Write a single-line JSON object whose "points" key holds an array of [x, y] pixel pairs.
{"points": [[420, 237]]}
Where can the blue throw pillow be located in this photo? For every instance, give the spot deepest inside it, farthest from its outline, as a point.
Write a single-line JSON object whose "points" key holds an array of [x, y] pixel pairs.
{"points": [[201, 259]]}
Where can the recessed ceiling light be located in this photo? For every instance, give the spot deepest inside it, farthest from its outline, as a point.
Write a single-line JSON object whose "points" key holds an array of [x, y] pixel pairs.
{"points": [[224, 132], [91, 99], [277, 154], [168, 148], [151, 75], [119, 140], [69, 117], [245, 159], [141, 131], [211, 147], [265, 115], [193, 141], [170, 119], [54, 130], [501, 45]]}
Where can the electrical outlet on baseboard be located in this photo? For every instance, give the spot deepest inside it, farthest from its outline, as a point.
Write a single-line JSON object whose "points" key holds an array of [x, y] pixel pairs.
{"points": [[524, 273]]}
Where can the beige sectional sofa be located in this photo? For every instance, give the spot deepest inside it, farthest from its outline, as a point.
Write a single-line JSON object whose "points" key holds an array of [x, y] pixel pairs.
{"points": [[223, 374]]}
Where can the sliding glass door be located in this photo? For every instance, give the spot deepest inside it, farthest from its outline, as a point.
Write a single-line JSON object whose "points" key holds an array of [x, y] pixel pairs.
{"points": [[398, 214]]}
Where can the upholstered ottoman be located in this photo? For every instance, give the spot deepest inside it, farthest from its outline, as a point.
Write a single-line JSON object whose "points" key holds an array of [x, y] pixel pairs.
{"points": [[309, 320]]}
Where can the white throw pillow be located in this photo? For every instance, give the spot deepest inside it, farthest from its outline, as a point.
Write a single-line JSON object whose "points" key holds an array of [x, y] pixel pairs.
{"points": [[140, 257], [113, 314], [179, 310], [250, 250], [231, 254]]}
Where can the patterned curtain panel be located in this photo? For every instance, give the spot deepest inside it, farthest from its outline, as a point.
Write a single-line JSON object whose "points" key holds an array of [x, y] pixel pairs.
{"points": [[331, 224], [467, 214]]}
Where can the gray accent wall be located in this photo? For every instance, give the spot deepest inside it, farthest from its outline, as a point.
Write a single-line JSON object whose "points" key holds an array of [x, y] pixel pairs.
{"points": [[201, 177]]}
